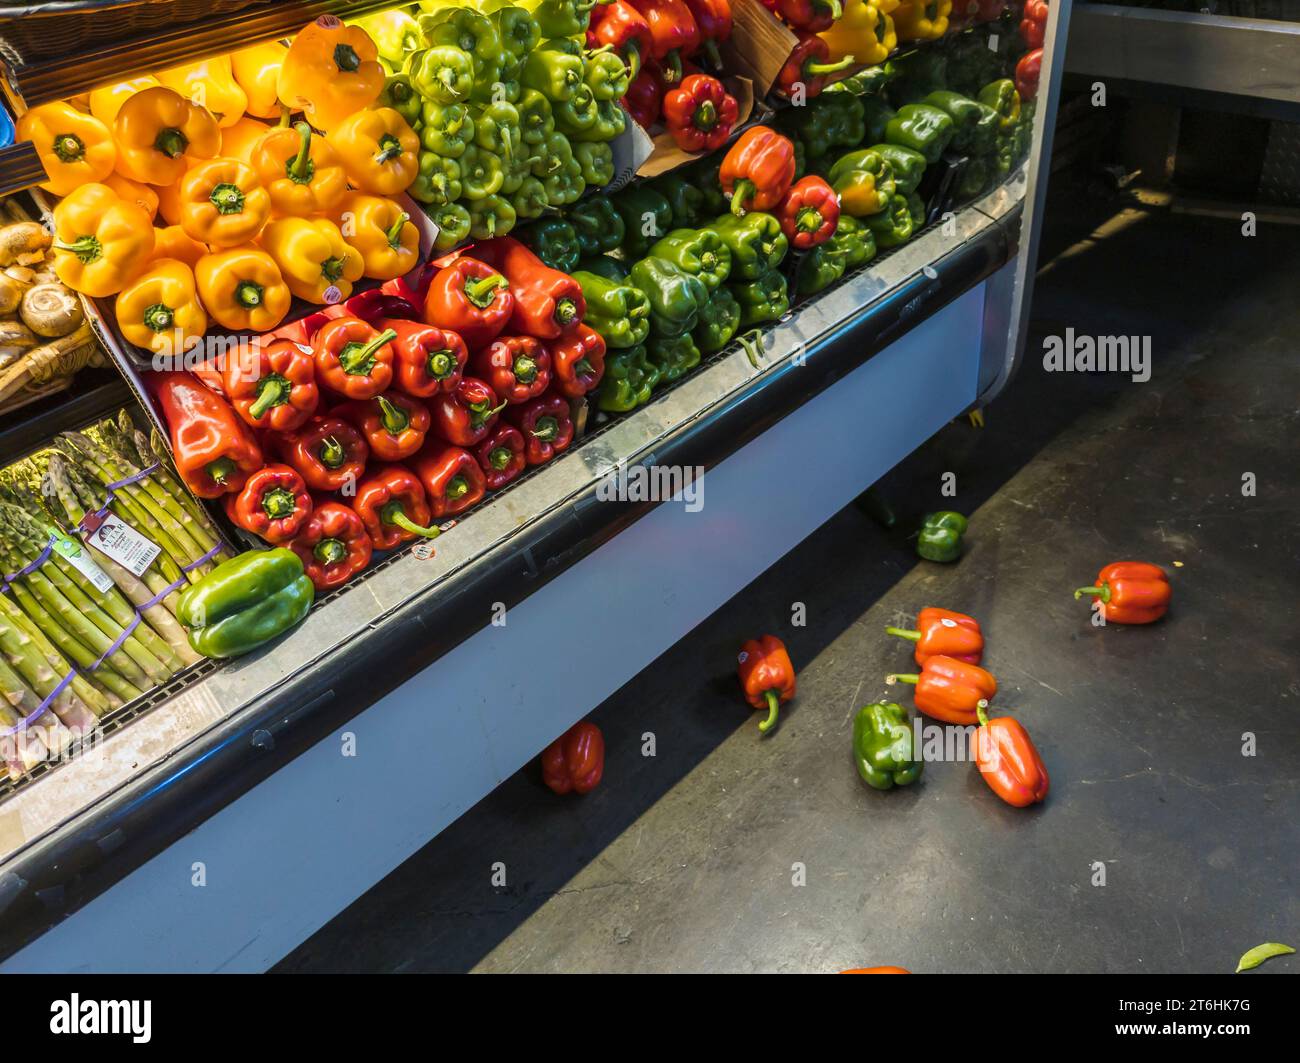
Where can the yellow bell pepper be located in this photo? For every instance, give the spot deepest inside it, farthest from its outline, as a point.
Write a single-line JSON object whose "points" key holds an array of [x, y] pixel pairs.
{"points": [[143, 196], [170, 204], [301, 172], [887, 7], [158, 133], [211, 85], [922, 20], [175, 242], [106, 101], [379, 151], [223, 204], [100, 241], [313, 257], [243, 289], [238, 140], [331, 71], [382, 233], [74, 148], [864, 31], [257, 71], [160, 309]]}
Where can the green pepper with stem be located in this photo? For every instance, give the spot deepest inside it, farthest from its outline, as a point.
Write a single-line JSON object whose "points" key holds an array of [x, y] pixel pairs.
{"points": [[676, 297], [610, 121], [893, 225], [535, 117], [245, 602], [673, 356], [517, 30], [907, 166], [686, 201], [554, 74], [466, 29], [438, 180], [597, 223], [597, 162], [646, 218], [628, 381], [975, 124], [443, 75], [819, 268], [755, 241], [400, 95], [448, 129], [766, 298], [577, 114], [551, 155], [496, 128], [718, 323], [516, 169], [882, 746], [481, 173], [922, 128], [530, 199], [700, 252], [606, 74], [619, 311], [854, 240], [490, 217], [566, 185], [453, 223], [563, 18], [940, 536], [1001, 96], [554, 241]]}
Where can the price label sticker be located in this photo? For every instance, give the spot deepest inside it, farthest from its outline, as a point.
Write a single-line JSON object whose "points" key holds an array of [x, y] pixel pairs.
{"points": [[423, 550], [125, 545], [80, 559]]}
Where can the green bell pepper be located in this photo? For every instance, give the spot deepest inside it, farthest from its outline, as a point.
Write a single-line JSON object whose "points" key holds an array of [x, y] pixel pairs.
{"points": [[464, 28], [820, 267], [893, 225], [700, 252], [563, 18], [438, 180], [598, 224], [755, 241], [576, 115], [646, 217], [444, 74], [395, 34], [448, 129], [565, 185], [854, 240], [554, 74], [673, 356], [922, 128], [496, 128], [685, 199], [882, 746], [490, 217], [974, 178], [530, 199], [517, 30], [481, 173], [908, 166], [975, 124], [972, 64], [766, 298], [616, 309], [614, 269], [554, 241], [535, 117], [864, 182], [704, 175], [917, 212], [551, 156], [597, 162], [719, 322], [676, 298], [611, 120], [940, 536], [400, 95], [1001, 95], [453, 223], [877, 114], [245, 602], [516, 169], [830, 122], [628, 381], [606, 73]]}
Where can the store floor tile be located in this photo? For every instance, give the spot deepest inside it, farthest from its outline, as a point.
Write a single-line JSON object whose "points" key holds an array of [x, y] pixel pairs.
{"points": [[1161, 846]]}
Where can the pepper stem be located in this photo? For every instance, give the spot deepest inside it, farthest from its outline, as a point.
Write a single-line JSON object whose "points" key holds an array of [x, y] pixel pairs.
{"points": [[278, 503], [330, 551], [248, 294], [389, 148], [566, 310], [271, 392], [904, 633], [221, 470], [393, 514], [86, 248], [394, 418], [227, 198], [546, 429], [813, 69], [836, 8], [171, 142], [457, 487], [332, 454], [773, 704], [749, 341], [500, 458], [741, 193], [482, 291], [68, 147], [301, 167], [711, 50], [1102, 592], [441, 364], [394, 232], [670, 69], [347, 60], [983, 717], [525, 370], [808, 220], [910, 678], [158, 318], [706, 116], [358, 359]]}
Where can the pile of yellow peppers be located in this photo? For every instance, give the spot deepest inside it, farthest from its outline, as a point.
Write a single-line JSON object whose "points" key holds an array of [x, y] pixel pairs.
{"points": [[870, 30], [180, 198]]}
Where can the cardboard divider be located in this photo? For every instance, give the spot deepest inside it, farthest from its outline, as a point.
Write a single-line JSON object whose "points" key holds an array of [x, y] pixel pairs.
{"points": [[759, 46]]}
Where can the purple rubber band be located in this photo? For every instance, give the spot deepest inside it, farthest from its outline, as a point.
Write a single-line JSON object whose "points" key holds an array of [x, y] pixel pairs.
{"points": [[28, 569], [202, 560], [117, 645], [142, 474], [22, 724], [161, 595]]}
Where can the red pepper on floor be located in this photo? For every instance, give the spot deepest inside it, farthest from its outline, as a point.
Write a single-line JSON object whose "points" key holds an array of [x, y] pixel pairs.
{"points": [[390, 503], [809, 213], [353, 359], [622, 27], [273, 504], [275, 388], [333, 546], [699, 113], [215, 453], [545, 426], [645, 96], [713, 20], [944, 634], [1027, 72], [808, 65], [812, 16], [517, 368], [673, 33], [950, 690], [548, 303], [575, 761], [501, 456], [578, 361], [1131, 592], [394, 425], [1033, 23], [451, 478], [767, 676], [758, 170], [467, 414], [471, 299], [1009, 762], [327, 453], [427, 359]]}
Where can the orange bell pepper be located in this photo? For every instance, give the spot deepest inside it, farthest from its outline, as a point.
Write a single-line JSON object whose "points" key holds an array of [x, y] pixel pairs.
{"points": [[100, 241], [257, 72], [380, 152], [74, 148], [210, 85], [107, 100], [316, 263], [143, 196], [330, 72], [1131, 592], [243, 289], [943, 633], [170, 203], [758, 170], [239, 140], [160, 309], [382, 233], [159, 133], [950, 690], [767, 676], [301, 172], [1009, 761], [175, 242], [223, 204]]}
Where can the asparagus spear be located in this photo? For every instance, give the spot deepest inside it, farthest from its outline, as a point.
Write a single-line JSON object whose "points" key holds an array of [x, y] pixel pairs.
{"points": [[96, 696], [37, 674], [24, 749]]}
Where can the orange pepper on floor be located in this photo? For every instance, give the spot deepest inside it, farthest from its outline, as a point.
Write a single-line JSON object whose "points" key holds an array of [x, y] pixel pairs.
{"points": [[1131, 592], [950, 690], [767, 676], [331, 71], [943, 633], [1009, 762]]}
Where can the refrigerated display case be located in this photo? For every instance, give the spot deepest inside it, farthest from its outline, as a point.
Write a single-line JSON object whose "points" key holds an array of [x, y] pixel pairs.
{"points": [[216, 823]]}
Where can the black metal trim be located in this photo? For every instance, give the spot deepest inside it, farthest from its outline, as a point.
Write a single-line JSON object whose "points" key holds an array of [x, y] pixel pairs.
{"points": [[20, 167]]}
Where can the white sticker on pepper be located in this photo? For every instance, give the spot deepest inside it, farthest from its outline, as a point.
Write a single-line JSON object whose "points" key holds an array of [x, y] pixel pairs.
{"points": [[80, 559], [119, 541]]}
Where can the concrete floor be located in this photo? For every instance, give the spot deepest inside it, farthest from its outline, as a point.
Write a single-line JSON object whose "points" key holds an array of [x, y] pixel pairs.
{"points": [[683, 861]]}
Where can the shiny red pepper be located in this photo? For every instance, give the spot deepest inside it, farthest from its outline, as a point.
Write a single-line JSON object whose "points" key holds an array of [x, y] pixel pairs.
{"points": [[809, 213], [427, 359], [517, 368], [1009, 761], [766, 675], [391, 504], [1131, 592], [713, 20], [1033, 23], [327, 452], [1028, 70], [645, 96], [545, 425], [673, 33], [699, 113], [470, 298], [333, 546], [501, 456], [578, 362], [944, 634], [575, 762], [808, 65], [353, 359], [812, 16], [276, 389], [467, 414], [620, 26], [950, 690], [758, 170], [274, 504], [394, 425], [548, 303], [214, 451], [451, 478]]}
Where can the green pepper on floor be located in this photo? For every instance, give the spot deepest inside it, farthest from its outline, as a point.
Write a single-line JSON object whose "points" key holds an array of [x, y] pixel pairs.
{"points": [[820, 267], [922, 128], [245, 602], [766, 298], [673, 356], [646, 218], [700, 252], [854, 241], [676, 298], [882, 746], [616, 309], [685, 200], [554, 241], [940, 536], [598, 225], [718, 323], [628, 381], [755, 241], [893, 225]]}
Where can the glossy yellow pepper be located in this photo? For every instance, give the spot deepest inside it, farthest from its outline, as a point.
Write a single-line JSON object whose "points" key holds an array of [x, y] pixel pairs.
{"points": [[301, 172], [238, 140], [257, 70], [159, 133], [382, 233], [922, 20], [314, 258], [223, 204], [175, 242], [864, 31], [106, 101], [243, 289], [160, 310], [330, 72], [211, 85], [100, 240], [143, 196], [75, 148], [379, 151]]}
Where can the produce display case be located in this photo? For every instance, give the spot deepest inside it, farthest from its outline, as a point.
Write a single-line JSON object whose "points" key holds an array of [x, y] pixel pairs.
{"points": [[436, 666]]}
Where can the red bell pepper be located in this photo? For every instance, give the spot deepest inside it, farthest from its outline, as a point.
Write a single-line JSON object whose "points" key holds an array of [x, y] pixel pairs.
{"points": [[809, 213], [427, 359], [767, 676], [1033, 23], [327, 452], [353, 359], [699, 113], [333, 546], [645, 96], [470, 298], [969, 12], [673, 33], [713, 20], [548, 303], [394, 425], [620, 26], [1131, 592], [944, 634], [808, 65], [450, 476], [575, 762], [758, 170], [467, 414], [811, 16], [273, 504], [950, 690], [277, 389], [545, 425], [578, 361], [1028, 70], [215, 453], [517, 368], [1009, 761], [501, 456], [391, 504]]}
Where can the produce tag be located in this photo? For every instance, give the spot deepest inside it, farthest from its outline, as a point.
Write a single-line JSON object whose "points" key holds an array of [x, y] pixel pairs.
{"points": [[423, 550], [119, 541], [81, 560], [332, 295]]}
